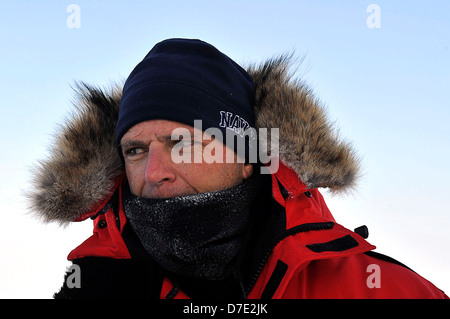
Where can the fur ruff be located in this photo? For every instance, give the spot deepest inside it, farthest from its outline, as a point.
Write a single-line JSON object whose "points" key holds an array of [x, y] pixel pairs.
{"points": [[307, 142], [84, 163]]}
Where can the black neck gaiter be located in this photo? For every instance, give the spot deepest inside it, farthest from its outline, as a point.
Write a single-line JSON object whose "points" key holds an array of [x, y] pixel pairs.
{"points": [[194, 235]]}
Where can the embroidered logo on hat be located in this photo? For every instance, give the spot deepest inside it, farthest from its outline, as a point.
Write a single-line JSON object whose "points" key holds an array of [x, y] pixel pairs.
{"points": [[233, 122]]}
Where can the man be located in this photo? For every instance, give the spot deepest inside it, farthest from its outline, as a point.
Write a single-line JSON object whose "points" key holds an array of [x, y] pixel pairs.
{"points": [[185, 211]]}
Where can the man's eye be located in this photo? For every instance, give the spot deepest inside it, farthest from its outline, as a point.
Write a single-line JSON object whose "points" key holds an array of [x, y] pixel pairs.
{"points": [[133, 151]]}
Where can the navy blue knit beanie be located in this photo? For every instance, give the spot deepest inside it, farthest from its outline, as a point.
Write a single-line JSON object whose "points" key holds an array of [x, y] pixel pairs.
{"points": [[183, 80]]}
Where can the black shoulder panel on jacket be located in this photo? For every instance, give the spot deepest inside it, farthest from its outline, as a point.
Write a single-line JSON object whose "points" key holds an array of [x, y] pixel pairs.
{"points": [[386, 258]]}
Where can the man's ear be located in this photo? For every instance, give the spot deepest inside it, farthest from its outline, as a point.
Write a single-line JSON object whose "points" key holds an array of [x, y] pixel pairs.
{"points": [[247, 170]]}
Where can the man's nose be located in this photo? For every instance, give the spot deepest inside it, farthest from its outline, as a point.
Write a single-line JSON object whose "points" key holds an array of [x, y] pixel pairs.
{"points": [[159, 162]]}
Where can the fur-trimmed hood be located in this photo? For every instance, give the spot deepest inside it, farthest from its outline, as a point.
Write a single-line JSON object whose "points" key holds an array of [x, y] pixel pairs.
{"points": [[84, 164]]}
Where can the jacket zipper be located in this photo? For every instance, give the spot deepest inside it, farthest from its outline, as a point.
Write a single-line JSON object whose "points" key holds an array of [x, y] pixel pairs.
{"points": [[289, 232]]}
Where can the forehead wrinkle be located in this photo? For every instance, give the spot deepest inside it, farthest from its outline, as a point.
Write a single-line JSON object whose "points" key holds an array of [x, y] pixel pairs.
{"points": [[163, 138]]}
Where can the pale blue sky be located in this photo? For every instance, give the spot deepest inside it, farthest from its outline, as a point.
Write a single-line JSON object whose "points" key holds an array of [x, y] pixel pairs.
{"points": [[386, 88]]}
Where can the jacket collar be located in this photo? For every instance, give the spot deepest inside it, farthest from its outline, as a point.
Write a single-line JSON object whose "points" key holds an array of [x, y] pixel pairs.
{"points": [[309, 233]]}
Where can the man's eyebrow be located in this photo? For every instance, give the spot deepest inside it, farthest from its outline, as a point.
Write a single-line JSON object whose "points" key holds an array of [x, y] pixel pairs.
{"points": [[132, 143]]}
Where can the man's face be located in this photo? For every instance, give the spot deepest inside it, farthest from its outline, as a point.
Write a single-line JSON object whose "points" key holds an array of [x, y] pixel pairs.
{"points": [[151, 172]]}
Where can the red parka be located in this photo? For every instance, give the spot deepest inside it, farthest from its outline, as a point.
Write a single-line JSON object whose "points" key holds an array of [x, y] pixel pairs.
{"points": [[314, 257]]}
